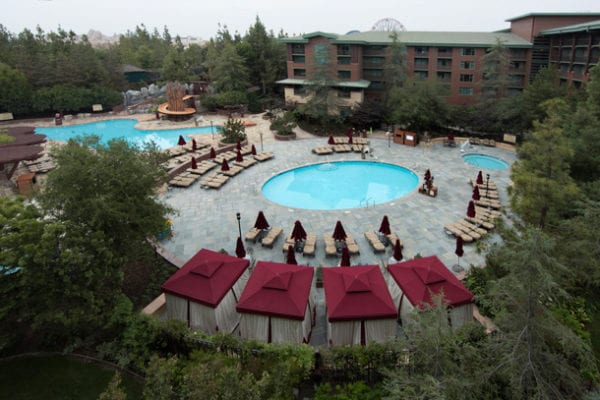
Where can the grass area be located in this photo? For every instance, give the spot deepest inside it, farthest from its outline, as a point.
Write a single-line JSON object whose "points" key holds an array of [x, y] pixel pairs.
{"points": [[57, 377]]}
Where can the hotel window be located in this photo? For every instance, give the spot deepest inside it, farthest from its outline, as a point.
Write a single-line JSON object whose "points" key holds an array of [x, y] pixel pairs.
{"points": [[465, 91], [376, 85], [321, 54], [421, 62], [421, 51], [374, 60], [343, 74], [343, 50], [421, 74], [466, 77], [373, 73], [297, 48], [444, 63], [467, 51], [467, 65], [344, 93], [299, 72], [444, 76], [298, 59], [344, 60], [444, 51], [299, 91]]}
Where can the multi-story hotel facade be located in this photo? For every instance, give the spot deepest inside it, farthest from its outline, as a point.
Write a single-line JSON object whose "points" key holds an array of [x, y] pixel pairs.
{"points": [[355, 62]]}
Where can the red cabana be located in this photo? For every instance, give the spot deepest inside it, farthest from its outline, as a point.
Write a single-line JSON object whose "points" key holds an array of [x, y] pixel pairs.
{"points": [[416, 281], [359, 306], [278, 304], [339, 233], [181, 141], [204, 290], [384, 228], [225, 165], [213, 153], [261, 222]]}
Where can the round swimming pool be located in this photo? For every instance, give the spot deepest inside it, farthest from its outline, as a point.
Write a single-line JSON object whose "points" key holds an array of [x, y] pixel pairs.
{"points": [[340, 185], [485, 161], [123, 128]]}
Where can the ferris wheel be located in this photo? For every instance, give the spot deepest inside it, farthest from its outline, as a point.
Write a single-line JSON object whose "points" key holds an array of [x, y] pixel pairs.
{"points": [[388, 25]]}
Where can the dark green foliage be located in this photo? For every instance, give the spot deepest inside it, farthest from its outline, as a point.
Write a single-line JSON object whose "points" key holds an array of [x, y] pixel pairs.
{"points": [[15, 95], [284, 124], [348, 391], [73, 99], [114, 391], [369, 114], [233, 131]]}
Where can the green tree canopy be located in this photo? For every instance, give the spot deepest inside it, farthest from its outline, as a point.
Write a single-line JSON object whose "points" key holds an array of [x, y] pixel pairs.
{"points": [[15, 95]]}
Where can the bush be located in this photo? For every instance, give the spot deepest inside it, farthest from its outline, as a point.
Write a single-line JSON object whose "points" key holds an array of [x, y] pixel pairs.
{"points": [[284, 125], [232, 98], [233, 131], [73, 99], [210, 102]]}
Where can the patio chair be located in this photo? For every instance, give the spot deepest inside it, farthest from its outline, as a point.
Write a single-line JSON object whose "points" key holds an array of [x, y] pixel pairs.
{"points": [[253, 234], [271, 236], [310, 245], [353, 248], [330, 249], [374, 241]]}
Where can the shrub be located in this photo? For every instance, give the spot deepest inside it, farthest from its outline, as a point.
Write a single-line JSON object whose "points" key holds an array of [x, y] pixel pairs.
{"points": [[233, 131], [285, 124]]}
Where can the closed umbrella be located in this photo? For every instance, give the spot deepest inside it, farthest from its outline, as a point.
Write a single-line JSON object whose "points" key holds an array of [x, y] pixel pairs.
{"points": [[476, 194], [213, 153], [261, 222], [397, 250], [194, 163], [459, 253], [194, 145], [350, 139], [384, 228], [291, 256], [471, 209], [345, 262], [239, 157], [298, 233], [427, 175], [330, 141], [253, 150], [238, 145], [479, 180], [225, 165], [339, 233], [239, 248], [181, 141]]}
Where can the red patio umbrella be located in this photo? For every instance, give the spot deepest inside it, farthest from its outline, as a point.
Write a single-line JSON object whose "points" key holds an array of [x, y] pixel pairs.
{"points": [[181, 141], [479, 180], [330, 141], [350, 139], [349, 131], [239, 248], [459, 251], [239, 157], [397, 250], [471, 209], [291, 256], [213, 153], [253, 150], [384, 228], [427, 175], [345, 262], [339, 233], [450, 136], [261, 222], [476, 194], [225, 165], [238, 145], [194, 145], [194, 163], [298, 233]]}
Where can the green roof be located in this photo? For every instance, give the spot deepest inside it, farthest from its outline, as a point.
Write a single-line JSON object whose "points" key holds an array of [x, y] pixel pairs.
{"points": [[360, 84], [555, 14], [450, 39], [583, 27], [304, 38]]}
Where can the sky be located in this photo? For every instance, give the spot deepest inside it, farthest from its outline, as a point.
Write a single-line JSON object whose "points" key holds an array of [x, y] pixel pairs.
{"points": [[201, 18]]}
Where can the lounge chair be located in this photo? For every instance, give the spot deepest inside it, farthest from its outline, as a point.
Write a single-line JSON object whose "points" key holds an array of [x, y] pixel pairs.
{"points": [[374, 241], [253, 234], [271, 236], [233, 170], [323, 150], [264, 156], [248, 162], [288, 242], [480, 222], [472, 227], [453, 230], [310, 245], [351, 245], [330, 249], [488, 203]]}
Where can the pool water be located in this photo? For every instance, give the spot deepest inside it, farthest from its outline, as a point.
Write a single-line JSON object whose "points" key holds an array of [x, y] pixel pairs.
{"points": [[485, 162], [123, 128], [340, 185]]}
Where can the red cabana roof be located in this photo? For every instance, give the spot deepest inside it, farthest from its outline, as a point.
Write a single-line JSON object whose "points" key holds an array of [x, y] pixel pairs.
{"points": [[206, 277], [357, 293], [423, 277], [276, 289]]}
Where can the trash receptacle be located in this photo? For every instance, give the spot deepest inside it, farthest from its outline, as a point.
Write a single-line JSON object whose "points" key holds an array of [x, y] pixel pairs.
{"points": [[399, 136], [27, 184]]}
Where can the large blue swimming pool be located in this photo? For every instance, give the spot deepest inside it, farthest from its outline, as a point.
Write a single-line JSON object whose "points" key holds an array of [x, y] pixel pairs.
{"points": [[123, 128], [340, 185]]}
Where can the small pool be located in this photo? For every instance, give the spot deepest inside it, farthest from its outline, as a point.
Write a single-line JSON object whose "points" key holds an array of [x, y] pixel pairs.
{"points": [[484, 161], [340, 185], [123, 128]]}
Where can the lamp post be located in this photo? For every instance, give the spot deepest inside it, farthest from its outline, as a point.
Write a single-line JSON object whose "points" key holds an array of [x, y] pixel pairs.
{"points": [[239, 217], [261, 140], [389, 135], [212, 133]]}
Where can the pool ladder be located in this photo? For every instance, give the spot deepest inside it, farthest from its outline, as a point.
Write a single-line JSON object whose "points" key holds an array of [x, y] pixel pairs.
{"points": [[366, 202]]}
